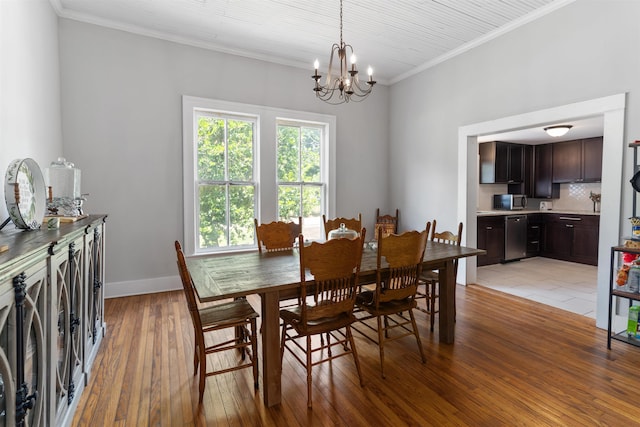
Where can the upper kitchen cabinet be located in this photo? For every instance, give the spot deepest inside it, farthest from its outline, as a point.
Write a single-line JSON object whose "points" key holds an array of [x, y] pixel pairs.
{"points": [[579, 160], [501, 163], [543, 187]]}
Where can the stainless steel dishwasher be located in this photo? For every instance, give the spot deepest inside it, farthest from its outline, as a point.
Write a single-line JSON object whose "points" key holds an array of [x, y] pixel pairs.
{"points": [[515, 237]]}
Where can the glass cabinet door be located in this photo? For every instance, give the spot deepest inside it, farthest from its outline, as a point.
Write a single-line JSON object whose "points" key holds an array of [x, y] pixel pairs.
{"points": [[7, 359], [61, 339]]}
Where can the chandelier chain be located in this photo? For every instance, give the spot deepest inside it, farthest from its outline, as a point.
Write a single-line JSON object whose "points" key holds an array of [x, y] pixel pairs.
{"points": [[341, 43]]}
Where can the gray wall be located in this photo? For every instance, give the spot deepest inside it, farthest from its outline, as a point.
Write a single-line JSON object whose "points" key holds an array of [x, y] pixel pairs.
{"points": [[29, 86], [122, 125], [583, 51]]}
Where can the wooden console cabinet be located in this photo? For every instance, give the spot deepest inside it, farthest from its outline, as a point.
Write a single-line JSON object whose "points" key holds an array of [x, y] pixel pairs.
{"points": [[51, 319]]}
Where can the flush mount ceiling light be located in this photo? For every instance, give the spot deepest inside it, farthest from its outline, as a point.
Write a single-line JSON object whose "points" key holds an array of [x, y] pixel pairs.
{"points": [[557, 130], [343, 82]]}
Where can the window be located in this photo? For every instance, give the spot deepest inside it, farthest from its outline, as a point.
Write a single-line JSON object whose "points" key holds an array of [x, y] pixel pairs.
{"points": [[243, 162], [301, 190], [225, 180]]}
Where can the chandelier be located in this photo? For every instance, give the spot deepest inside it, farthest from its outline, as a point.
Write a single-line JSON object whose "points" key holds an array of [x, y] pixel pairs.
{"points": [[344, 83]]}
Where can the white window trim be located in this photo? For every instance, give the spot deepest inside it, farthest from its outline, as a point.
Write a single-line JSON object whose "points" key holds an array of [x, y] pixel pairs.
{"points": [[265, 152]]}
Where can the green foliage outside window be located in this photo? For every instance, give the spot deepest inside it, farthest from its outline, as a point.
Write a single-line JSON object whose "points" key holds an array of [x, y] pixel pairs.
{"points": [[298, 164], [225, 176]]}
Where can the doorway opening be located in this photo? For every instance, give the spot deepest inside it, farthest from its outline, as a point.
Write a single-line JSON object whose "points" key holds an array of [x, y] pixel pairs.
{"points": [[612, 109]]}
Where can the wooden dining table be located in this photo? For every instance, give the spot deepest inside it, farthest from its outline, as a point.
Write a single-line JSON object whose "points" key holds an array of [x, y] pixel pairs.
{"points": [[276, 275]]}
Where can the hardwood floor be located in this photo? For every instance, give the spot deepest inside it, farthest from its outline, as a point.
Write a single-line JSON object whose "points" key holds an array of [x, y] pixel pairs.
{"points": [[514, 362]]}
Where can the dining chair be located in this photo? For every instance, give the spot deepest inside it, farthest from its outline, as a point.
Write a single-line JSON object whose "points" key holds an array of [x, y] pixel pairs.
{"points": [[385, 225], [350, 223], [393, 298], [277, 235], [430, 278], [325, 305], [237, 314]]}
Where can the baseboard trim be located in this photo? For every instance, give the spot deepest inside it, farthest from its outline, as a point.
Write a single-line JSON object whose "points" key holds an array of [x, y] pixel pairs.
{"points": [[141, 287]]}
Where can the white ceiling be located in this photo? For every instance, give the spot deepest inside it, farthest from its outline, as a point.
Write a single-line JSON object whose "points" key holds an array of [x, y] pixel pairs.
{"points": [[398, 38], [583, 128]]}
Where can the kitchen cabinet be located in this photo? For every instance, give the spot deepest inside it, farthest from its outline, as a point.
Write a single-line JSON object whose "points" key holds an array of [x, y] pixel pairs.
{"points": [[501, 162], [543, 187], [51, 319], [579, 160], [527, 185], [535, 225], [491, 239], [571, 237]]}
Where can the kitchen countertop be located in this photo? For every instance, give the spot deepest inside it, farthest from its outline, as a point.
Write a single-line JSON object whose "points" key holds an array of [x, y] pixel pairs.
{"points": [[534, 211]]}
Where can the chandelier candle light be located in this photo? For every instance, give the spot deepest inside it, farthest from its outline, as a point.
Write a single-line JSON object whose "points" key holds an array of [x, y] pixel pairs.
{"points": [[344, 83]]}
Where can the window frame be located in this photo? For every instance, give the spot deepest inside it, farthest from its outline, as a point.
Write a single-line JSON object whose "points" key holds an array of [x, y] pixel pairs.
{"points": [[322, 184], [264, 161]]}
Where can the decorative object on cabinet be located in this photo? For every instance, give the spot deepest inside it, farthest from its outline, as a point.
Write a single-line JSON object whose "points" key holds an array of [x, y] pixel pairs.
{"points": [[24, 193], [595, 198], [63, 183]]}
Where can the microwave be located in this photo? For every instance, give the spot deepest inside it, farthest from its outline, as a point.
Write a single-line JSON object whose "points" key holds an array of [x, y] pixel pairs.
{"points": [[509, 202]]}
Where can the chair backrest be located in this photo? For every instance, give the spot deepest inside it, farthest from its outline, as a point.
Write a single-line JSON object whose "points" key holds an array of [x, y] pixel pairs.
{"points": [[187, 285], [350, 223], [335, 266], [449, 238], [385, 225], [403, 253], [277, 235]]}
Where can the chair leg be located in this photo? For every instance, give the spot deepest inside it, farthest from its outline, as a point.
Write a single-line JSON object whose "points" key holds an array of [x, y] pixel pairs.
{"points": [[308, 371], [203, 373], [432, 302], [282, 340], [381, 334], [196, 360], [354, 353], [417, 334], [254, 353], [454, 302]]}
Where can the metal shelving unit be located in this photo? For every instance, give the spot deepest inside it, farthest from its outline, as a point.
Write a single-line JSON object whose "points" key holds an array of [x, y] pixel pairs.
{"points": [[616, 251]]}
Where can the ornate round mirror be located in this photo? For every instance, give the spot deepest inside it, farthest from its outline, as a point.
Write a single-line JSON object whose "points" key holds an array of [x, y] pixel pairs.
{"points": [[25, 194]]}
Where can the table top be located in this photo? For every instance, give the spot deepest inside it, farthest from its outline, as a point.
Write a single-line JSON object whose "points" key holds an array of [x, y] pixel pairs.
{"points": [[241, 274]]}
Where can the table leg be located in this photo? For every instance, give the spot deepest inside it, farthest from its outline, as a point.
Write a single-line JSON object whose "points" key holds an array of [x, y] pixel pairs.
{"points": [[446, 281], [271, 366]]}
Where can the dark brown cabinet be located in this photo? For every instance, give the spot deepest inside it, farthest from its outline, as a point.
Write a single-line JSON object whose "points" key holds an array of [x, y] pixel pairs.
{"points": [[543, 186], [527, 185], [571, 237], [579, 160], [501, 162], [535, 226], [592, 159], [491, 239]]}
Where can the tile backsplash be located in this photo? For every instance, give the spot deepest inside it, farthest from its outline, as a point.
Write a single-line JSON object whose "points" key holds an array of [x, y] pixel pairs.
{"points": [[573, 196], [576, 196]]}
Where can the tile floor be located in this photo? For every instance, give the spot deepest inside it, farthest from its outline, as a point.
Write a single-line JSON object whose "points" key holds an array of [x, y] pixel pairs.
{"points": [[560, 284]]}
